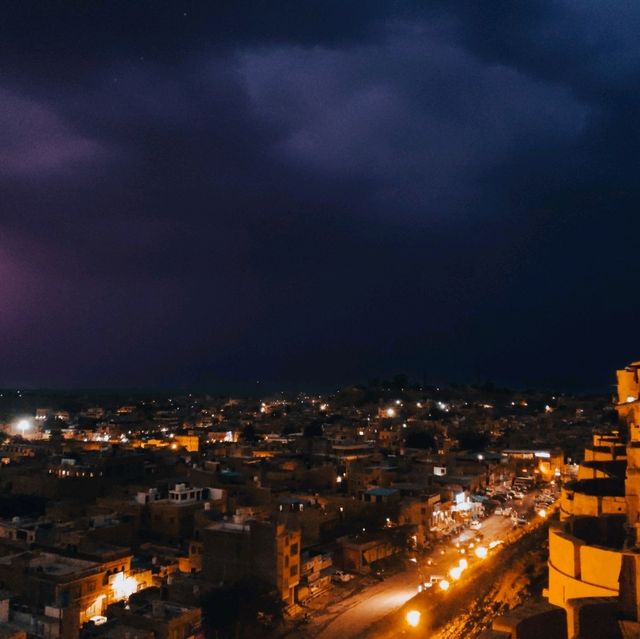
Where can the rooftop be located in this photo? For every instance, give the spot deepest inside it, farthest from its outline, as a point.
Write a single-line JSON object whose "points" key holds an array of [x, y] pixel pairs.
{"points": [[381, 492], [57, 565]]}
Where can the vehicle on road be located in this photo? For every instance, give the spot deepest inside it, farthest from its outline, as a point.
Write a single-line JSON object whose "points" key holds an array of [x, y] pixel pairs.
{"points": [[342, 577], [430, 583]]}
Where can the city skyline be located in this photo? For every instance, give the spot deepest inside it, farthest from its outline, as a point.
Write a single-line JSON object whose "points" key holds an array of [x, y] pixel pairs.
{"points": [[206, 196]]}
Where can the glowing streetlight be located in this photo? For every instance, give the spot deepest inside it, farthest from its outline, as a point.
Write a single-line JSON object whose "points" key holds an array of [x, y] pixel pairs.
{"points": [[391, 412], [481, 552], [464, 564], [413, 618], [23, 426], [444, 584], [455, 573], [542, 512]]}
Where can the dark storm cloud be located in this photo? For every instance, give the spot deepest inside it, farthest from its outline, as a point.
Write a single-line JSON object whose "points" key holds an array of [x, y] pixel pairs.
{"points": [[317, 192]]}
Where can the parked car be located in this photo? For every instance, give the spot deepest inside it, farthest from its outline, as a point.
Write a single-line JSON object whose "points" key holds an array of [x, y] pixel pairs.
{"points": [[475, 525], [342, 577]]}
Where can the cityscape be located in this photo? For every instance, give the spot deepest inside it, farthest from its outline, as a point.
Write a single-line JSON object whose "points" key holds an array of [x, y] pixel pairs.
{"points": [[381, 509], [316, 319]]}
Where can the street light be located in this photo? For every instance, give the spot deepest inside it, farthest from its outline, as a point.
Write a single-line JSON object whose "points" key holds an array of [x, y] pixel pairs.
{"points": [[481, 552], [444, 584], [23, 426], [413, 618]]}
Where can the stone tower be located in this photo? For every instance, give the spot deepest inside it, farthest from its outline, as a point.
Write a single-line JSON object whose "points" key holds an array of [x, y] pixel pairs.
{"points": [[628, 407]]}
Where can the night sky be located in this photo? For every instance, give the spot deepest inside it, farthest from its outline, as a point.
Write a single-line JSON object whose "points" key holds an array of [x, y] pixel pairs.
{"points": [[207, 194]]}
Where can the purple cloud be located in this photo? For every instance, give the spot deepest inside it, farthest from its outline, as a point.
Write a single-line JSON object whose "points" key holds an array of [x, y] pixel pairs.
{"points": [[418, 113], [36, 141]]}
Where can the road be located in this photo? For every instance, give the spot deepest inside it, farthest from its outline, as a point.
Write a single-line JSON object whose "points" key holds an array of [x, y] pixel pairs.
{"points": [[353, 616]]}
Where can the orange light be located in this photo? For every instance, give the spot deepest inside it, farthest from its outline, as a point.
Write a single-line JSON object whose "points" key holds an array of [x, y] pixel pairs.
{"points": [[123, 587], [455, 573], [413, 618], [481, 552]]}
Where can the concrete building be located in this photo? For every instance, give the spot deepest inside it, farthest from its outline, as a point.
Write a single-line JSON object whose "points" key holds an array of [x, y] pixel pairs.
{"points": [[66, 592], [163, 619], [594, 555], [263, 550], [173, 518], [593, 497]]}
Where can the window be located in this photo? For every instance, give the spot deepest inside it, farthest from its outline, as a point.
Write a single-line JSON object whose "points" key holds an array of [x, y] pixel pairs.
{"points": [[293, 571], [294, 549]]}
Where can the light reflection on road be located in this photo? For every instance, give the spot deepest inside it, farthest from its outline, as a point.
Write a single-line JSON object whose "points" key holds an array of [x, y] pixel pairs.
{"points": [[354, 615]]}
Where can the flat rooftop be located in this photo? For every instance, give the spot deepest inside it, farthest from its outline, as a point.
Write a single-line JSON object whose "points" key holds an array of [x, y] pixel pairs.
{"points": [[57, 565], [52, 564]]}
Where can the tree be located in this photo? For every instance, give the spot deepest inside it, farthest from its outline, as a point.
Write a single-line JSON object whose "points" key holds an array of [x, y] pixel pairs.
{"points": [[469, 439], [420, 438], [249, 433], [314, 429], [242, 609], [288, 429]]}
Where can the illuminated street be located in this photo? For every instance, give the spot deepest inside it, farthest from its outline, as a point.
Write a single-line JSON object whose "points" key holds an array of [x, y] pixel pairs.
{"points": [[355, 615]]}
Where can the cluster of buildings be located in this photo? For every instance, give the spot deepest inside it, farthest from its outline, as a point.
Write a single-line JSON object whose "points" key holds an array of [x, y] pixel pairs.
{"points": [[124, 520], [594, 551]]}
